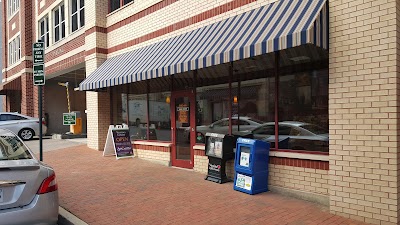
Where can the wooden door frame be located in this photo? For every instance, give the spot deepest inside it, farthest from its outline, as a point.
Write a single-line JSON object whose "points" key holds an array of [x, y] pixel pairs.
{"points": [[191, 95]]}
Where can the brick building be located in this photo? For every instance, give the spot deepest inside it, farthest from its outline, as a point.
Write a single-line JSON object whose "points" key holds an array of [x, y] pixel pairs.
{"points": [[173, 70]]}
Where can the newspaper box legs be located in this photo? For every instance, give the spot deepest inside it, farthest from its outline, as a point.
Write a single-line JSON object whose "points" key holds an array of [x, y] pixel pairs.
{"points": [[219, 149], [251, 166]]}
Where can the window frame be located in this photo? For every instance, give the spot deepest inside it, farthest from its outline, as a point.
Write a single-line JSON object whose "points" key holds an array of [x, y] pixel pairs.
{"points": [[79, 8], [14, 50], [121, 4], [12, 7], [45, 37], [61, 23]]}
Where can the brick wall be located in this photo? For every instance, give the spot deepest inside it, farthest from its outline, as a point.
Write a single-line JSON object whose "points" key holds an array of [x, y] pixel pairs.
{"points": [[14, 25], [158, 154], [363, 110], [27, 32], [157, 23], [283, 172], [44, 4], [27, 102], [4, 37]]}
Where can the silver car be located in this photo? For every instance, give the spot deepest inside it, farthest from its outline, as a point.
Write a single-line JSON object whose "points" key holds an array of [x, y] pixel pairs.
{"points": [[293, 135], [28, 188], [222, 127], [25, 126]]}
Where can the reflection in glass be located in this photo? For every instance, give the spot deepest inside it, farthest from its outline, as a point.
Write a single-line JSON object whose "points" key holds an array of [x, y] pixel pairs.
{"points": [[136, 107], [303, 111], [160, 116], [182, 131]]}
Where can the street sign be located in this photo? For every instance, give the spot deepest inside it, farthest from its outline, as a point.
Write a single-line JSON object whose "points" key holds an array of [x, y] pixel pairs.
{"points": [[39, 80], [38, 53], [38, 75], [69, 118]]}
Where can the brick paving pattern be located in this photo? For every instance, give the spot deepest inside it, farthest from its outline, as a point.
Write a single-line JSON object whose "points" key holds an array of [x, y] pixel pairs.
{"points": [[103, 190]]}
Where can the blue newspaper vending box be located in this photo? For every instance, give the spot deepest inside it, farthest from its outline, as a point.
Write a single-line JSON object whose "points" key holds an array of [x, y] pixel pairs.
{"points": [[251, 166]]}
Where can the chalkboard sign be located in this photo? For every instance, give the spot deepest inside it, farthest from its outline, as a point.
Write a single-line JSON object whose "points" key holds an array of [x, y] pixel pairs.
{"points": [[118, 142]]}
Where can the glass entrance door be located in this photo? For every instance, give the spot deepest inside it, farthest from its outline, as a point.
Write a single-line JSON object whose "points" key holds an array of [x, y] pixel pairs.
{"points": [[183, 128]]}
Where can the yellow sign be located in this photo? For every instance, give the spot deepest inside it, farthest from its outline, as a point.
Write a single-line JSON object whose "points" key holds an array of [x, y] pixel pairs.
{"points": [[183, 111]]}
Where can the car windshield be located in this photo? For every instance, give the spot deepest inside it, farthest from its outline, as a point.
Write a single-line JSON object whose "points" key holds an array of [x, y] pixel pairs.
{"points": [[11, 147], [314, 129]]}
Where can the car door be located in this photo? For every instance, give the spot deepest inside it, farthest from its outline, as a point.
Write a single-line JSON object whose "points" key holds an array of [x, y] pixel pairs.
{"points": [[265, 133], [221, 127], [246, 125], [10, 122]]}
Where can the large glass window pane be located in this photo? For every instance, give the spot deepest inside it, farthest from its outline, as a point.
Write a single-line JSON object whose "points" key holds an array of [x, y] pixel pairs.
{"points": [[82, 18], [63, 30], [303, 111], [114, 5], [56, 17], [42, 25], [137, 111], [62, 13], [57, 34], [47, 40], [212, 110], [255, 103], [74, 6], [74, 22], [160, 116]]}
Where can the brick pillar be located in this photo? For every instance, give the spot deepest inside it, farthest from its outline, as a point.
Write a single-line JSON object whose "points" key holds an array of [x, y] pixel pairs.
{"points": [[97, 103], [364, 110], [27, 102], [98, 112]]}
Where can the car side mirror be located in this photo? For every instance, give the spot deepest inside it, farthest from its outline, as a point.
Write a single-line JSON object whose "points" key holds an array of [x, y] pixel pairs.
{"points": [[212, 126]]}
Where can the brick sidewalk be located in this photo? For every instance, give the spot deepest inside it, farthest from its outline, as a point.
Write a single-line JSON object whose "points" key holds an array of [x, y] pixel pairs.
{"points": [[103, 190]]}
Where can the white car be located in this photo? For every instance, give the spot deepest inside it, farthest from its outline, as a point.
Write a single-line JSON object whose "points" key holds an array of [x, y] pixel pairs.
{"points": [[25, 126]]}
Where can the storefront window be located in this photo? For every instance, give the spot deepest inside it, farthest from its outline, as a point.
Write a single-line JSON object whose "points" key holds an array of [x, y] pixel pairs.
{"points": [[212, 111], [160, 116], [137, 114], [303, 111]]}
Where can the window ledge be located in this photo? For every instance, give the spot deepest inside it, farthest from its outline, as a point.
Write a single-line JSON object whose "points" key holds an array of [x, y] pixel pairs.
{"points": [[295, 155], [281, 154], [151, 143], [199, 147], [10, 17]]}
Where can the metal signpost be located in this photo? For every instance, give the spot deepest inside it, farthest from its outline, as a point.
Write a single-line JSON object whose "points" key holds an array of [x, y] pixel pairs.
{"points": [[39, 81]]}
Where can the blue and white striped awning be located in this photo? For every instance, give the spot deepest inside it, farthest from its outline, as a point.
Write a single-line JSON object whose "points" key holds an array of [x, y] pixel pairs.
{"points": [[273, 27]]}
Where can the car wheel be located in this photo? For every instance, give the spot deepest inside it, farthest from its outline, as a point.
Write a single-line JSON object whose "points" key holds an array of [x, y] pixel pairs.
{"points": [[26, 134]]}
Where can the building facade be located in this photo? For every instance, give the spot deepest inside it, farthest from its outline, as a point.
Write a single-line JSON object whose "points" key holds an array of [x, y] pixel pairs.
{"points": [[318, 79]]}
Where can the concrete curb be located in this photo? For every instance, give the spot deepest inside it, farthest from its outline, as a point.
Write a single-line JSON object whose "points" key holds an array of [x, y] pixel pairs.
{"points": [[67, 218]]}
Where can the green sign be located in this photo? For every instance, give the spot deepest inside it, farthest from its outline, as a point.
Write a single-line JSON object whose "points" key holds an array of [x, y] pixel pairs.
{"points": [[38, 53], [69, 118], [38, 75], [38, 63]]}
